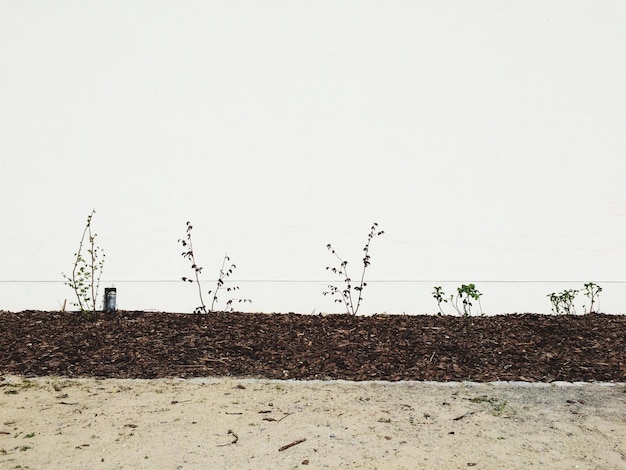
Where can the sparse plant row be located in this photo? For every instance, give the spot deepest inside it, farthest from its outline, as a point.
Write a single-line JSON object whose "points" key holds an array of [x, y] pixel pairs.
{"points": [[86, 272], [563, 302], [350, 296]]}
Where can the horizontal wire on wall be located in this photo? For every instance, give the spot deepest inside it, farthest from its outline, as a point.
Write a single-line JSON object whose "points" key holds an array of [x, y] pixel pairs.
{"points": [[311, 281]]}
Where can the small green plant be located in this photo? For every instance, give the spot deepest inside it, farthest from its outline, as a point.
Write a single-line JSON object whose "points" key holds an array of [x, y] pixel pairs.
{"points": [[439, 296], [225, 271], [350, 290], [592, 291], [500, 408], [86, 272], [466, 293], [563, 302]]}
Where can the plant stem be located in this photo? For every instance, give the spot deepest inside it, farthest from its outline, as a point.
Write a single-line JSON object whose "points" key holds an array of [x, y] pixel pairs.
{"points": [[196, 271], [76, 263]]}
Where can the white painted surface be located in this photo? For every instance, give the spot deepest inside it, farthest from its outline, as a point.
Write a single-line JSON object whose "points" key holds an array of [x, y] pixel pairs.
{"points": [[487, 139]]}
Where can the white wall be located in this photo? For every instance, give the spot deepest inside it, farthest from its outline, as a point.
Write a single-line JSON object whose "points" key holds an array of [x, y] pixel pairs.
{"points": [[487, 139]]}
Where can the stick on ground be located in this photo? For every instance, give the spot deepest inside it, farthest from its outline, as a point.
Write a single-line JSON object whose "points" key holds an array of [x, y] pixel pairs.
{"points": [[291, 444]]}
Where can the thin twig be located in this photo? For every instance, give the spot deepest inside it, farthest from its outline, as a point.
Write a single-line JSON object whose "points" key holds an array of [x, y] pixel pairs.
{"points": [[277, 420], [291, 444], [234, 441]]}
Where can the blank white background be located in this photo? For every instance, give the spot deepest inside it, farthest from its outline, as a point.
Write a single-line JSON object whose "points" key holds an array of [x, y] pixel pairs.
{"points": [[488, 140]]}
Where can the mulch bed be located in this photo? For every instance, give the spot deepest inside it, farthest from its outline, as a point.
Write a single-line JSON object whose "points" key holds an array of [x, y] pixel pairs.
{"points": [[526, 347]]}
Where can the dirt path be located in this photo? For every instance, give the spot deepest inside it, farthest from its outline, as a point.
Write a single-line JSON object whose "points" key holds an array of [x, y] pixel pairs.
{"points": [[57, 423]]}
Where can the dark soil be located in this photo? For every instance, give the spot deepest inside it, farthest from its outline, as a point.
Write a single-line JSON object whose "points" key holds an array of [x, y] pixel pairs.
{"points": [[524, 347]]}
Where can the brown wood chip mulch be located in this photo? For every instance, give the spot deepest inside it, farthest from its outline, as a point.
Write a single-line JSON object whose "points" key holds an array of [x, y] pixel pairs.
{"points": [[527, 347]]}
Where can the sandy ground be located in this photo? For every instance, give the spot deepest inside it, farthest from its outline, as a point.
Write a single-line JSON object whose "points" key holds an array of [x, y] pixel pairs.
{"points": [[56, 423]]}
